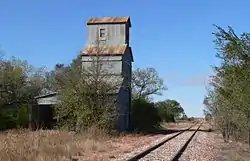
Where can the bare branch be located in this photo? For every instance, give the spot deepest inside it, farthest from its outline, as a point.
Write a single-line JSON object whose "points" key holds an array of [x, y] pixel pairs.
{"points": [[146, 82]]}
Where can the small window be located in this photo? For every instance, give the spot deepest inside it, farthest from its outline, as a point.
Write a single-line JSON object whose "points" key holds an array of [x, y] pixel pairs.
{"points": [[102, 33]]}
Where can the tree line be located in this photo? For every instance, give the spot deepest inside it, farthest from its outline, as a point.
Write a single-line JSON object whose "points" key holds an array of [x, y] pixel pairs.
{"points": [[85, 96], [227, 101]]}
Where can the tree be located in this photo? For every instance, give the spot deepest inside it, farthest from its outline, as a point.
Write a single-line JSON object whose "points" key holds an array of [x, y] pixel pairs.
{"points": [[145, 116], [229, 92], [184, 117], [87, 94], [19, 84], [146, 82], [170, 110]]}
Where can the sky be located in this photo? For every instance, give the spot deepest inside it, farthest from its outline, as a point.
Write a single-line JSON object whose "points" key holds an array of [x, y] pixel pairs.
{"points": [[172, 36]]}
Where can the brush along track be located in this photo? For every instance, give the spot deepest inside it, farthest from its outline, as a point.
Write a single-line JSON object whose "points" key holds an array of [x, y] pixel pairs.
{"points": [[151, 153]]}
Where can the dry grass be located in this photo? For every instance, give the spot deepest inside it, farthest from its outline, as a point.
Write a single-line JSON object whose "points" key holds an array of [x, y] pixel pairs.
{"points": [[50, 145], [24, 145], [54, 145]]}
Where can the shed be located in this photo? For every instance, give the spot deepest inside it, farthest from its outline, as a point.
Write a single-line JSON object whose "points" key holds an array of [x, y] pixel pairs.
{"points": [[42, 113]]}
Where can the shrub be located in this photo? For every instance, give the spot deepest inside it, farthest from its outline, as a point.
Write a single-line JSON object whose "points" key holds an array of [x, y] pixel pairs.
{"points": [[165, 115], [191, 119], [14, 116], [170, 110], [144, 115], [7, 118]]}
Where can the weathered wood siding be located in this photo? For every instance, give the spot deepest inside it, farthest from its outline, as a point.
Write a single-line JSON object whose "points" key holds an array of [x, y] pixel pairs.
{"points": [[127, 65], [119, 66], [47, 100], [109, 65], [115, 33]]}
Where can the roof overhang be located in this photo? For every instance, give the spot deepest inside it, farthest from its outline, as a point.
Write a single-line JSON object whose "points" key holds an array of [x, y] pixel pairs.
{"points": [[109, 20], [105, 50], [46, 95]]}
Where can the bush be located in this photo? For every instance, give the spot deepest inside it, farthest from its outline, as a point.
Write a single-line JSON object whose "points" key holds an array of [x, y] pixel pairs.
{"points": [[144, 115], [22, 116], [7, 118], [191, 119], [79, 111], [184, 117], [165, 115], [14, 116], [169, 110], [208, 117]]}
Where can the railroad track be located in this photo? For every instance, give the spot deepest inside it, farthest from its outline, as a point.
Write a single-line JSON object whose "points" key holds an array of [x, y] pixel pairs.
{"points": [[159, 152]]}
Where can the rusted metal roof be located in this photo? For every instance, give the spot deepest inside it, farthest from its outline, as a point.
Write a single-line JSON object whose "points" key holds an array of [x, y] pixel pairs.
{"points": [[109, 19], [104, 50]]}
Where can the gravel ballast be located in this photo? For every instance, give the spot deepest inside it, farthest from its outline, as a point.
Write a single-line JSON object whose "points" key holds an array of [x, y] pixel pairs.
{"points": [[170, 148], [201, 148], [126, 156]]}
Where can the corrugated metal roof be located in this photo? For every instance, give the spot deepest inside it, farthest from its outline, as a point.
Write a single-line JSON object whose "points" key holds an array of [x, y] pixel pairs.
{"points": [[46, 95], [104, 50], [109, 19]]}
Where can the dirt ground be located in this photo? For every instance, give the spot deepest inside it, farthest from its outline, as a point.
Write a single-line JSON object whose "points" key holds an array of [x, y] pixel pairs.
{"points": [[231, 151]]}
